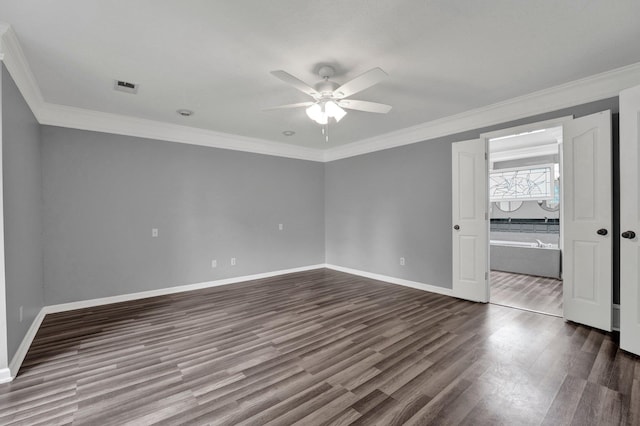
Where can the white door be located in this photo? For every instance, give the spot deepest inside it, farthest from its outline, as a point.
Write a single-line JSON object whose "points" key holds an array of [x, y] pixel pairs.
{"points": [[630, 220], [469, 227], [586, 197]]}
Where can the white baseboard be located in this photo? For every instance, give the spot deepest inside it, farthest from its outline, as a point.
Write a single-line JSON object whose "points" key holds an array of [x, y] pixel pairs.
{"points": [[63, 307], [393, 280], [18, 357], [8, 374], [5, 375]]}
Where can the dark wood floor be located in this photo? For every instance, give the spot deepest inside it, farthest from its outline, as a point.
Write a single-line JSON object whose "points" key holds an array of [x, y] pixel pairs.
{"points": [[522, 291], [319, 347]]}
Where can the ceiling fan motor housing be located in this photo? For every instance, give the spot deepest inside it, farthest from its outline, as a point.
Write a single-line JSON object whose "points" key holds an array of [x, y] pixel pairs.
{"points": [[326, 87], [325, 72]]}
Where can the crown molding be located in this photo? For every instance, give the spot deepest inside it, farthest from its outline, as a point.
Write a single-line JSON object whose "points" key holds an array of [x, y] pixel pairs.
{"points": [[47, 113], [84, 119], [600, 86], [523, 128], [13, 58]]}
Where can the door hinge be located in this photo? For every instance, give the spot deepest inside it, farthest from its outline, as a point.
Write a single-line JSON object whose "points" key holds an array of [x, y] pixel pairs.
{"points": [[486, 216], [486, 276], [486, 156]]}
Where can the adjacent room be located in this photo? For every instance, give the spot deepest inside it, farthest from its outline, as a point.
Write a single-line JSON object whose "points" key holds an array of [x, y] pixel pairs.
{"points": [[315, 213], [524, 230]]}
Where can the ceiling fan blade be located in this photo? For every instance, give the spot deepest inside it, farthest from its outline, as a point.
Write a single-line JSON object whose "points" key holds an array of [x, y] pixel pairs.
{"points": [[295, 82], [298, 105], [364, 106], [361, 82]]}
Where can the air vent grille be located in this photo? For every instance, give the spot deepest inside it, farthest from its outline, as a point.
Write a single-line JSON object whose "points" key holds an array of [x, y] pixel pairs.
{"points": [[125, 86]]}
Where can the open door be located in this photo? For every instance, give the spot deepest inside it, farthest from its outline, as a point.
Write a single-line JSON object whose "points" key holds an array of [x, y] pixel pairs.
{"points": [[586, 197], [630, 220], [470, 230]]}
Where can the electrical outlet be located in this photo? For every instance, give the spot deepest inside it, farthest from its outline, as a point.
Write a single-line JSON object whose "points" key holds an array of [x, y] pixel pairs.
{"points": [[402, 261], [214, 263], [233, 261], [154, 232], [280, 226], [21, 310]]}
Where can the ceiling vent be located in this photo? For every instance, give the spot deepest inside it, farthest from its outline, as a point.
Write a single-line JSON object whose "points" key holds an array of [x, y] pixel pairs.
{"points": [[125, 86]]}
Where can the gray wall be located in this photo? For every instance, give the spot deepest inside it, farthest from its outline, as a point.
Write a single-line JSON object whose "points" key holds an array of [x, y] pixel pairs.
{"points": [[104, 193], [397, 202], [391, 204], [22, 186]]}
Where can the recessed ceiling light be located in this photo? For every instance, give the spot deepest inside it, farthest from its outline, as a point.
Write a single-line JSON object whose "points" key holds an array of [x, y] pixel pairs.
{"points": [[185, 112], [288, 133]]}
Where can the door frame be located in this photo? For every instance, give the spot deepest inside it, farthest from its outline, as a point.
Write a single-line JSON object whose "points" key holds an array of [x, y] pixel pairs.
{"points": [[485, 137]]}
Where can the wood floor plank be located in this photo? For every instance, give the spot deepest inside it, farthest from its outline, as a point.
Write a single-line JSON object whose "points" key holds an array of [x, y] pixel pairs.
{"points": [[346, 417], [634, 402], [566, 402], [374, 414], [591, 405], [286, 405], [431, 412], [320, 347], [538, 294]]}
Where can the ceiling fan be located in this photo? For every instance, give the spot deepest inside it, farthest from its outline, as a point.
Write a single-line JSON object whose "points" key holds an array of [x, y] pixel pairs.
{"points": [[330, 98]]}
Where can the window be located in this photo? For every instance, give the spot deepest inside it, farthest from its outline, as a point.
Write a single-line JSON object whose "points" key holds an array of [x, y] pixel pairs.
{"points": [[522, 183]]}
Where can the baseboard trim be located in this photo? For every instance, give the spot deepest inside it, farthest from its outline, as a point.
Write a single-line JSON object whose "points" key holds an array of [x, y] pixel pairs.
{"points": [[21, 353], [393, 280], [5, 375], [63, 307], [8, 374]]}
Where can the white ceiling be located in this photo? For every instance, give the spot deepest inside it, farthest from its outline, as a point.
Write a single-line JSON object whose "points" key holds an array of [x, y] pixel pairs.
{"points": [[214, 57]]}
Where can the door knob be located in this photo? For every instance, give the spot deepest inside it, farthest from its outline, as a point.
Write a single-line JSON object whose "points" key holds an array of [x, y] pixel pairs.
{"points": [[629, 235], [456, 227], [602, 231]]}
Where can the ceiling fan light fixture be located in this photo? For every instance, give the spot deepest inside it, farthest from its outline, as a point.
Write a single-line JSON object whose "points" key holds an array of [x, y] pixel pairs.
{"points": [[321, 112], [330, 98], [333, 110], [317, 113]]}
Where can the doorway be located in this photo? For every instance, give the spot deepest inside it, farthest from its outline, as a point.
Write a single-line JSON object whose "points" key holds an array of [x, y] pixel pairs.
{"points": [[585, 216], [524, 170]]}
